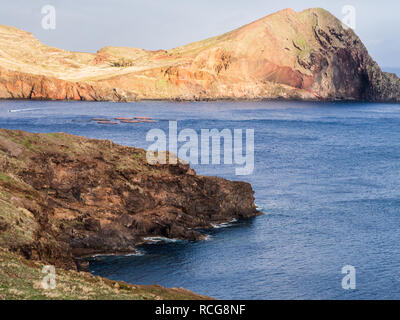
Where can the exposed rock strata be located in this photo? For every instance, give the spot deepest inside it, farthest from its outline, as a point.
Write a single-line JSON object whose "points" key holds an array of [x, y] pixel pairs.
{"points": [[19, 85]]}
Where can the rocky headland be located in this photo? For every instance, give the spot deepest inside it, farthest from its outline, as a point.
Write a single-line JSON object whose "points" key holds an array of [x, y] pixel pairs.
{"points": [[306, 55], [64, 197]]}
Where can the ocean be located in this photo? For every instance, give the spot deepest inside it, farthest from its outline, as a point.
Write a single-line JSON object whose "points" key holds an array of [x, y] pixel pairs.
{"points": [[326, 176]]}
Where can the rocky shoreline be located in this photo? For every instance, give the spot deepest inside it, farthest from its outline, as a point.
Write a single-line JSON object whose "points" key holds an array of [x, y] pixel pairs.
{"points": [[64, 197]]}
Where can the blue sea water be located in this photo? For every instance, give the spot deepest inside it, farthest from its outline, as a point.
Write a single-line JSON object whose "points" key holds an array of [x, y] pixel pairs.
{"points": [[326, 176]]}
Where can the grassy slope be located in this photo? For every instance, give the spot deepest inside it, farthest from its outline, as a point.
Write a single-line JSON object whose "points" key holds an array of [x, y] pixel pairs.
{"points": [[21, 279]]}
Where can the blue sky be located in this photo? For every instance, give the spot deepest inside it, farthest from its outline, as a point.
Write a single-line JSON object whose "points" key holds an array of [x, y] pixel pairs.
{"points": [[89, 25]]}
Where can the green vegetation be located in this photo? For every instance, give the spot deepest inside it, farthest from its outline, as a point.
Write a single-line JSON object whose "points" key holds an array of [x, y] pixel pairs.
{"points": [[21, 205], [17, 225], [21, 279], [5, 178], [122, 63]]}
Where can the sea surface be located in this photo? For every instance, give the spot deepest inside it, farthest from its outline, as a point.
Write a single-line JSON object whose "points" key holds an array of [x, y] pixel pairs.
{"points": [[327, 177]]}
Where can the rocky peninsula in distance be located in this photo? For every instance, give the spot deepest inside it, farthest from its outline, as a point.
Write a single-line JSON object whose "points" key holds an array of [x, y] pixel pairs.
{"points": [[308, 55]]}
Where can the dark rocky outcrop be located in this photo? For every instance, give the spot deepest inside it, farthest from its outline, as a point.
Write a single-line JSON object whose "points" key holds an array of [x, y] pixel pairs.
{"points": [[64, 197]]}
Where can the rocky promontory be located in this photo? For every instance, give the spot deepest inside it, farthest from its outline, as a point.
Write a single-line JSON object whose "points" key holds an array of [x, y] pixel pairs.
{"points": [[63, 197], [308, 55]]}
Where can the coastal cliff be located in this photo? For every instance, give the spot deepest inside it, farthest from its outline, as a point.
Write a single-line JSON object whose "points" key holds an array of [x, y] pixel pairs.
{"points": [[63, 197], [306, 55]]}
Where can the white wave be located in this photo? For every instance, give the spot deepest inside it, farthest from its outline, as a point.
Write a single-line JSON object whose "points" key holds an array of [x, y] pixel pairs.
{"points": [[101, 255], [22, 110], [224, 224], [136, 253], [259, 207], [160, 239]]}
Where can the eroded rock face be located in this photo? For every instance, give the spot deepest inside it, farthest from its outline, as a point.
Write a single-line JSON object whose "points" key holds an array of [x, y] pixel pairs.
{"points": [[306, 55], [18, 85], [91, 196]]}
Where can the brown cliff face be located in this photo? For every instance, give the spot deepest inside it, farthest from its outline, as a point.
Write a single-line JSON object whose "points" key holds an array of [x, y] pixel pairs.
{"points": [[287, 55], [63, 197]]}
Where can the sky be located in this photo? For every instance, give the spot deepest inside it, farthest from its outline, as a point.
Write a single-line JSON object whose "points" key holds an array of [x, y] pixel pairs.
{"points": [[89, 25]]}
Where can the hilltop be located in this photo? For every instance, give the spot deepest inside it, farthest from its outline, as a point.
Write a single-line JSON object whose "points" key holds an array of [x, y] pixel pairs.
{"points": [[306, 55]]}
